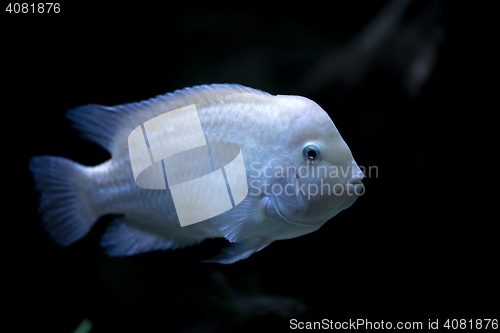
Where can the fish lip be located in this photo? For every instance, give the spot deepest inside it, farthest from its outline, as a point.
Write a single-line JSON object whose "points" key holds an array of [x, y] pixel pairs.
{"points": [[351, 188], [357, 175], [355, 179]]}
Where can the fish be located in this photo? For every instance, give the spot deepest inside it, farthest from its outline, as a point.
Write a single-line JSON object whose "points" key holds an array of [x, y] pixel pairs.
{"points": [[295, 173]]}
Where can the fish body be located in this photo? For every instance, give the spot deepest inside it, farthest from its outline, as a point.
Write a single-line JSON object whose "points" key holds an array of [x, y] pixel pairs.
{"points": [[282, 140]]}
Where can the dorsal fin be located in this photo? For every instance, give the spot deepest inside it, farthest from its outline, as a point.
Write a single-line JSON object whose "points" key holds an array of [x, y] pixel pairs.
{"points": [[109, 126]]}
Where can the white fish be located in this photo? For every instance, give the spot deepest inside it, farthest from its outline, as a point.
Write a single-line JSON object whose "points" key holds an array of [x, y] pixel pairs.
{"points": [[300, 173]]}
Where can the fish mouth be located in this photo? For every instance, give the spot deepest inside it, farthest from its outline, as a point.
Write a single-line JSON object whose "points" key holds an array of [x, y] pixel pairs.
{"points": [[355, 188], [354, 185]]}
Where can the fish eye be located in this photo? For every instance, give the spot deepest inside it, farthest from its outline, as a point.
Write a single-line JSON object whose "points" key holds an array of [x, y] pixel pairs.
{"points": [[311, 152]]}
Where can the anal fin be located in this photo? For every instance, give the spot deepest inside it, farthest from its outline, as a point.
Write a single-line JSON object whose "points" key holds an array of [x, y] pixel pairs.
{"points": [[121, 239]]}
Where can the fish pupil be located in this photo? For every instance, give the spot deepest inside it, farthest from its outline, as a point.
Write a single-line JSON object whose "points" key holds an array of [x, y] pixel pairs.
{"points": [[311, 153]]}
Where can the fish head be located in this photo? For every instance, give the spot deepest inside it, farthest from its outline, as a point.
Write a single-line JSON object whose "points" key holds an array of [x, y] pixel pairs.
{"points": [[322, 177]]}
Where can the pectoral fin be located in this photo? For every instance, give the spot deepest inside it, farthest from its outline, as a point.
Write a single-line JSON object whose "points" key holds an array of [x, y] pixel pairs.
{"points": [[243, 221], [244, 226]]}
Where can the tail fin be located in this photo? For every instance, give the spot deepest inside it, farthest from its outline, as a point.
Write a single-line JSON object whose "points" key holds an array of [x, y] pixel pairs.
{"points": [[64, 204]]}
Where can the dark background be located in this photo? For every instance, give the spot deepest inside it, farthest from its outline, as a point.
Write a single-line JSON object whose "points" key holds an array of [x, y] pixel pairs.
{"points": [[402, 81]]}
